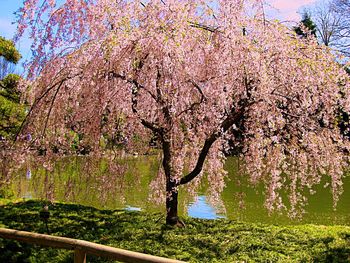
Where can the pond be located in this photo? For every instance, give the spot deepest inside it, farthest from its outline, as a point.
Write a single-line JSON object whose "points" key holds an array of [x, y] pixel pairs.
{"points": [[126, 184]]}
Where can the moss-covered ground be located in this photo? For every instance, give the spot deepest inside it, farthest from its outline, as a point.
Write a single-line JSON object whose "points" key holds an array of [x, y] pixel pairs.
{"points": [[199, 241]]}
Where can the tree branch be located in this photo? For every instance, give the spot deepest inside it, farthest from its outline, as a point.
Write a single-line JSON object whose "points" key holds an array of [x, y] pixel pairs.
{"points": [[150, 125], [135, 90], [225, 125], [112, 74], [205, 27], [286, 97], [194, 104], [161, 101]]}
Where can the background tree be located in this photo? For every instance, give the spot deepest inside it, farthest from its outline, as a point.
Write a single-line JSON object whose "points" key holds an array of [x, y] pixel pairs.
{"points": [[187, 76], [333, 24], [9, 55], [11, 111], [306, 25], [328, 23], [333, 29], [342, 9]]}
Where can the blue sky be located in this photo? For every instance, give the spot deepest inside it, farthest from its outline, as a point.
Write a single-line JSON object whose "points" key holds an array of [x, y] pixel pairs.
{"points": [[8, 7], [8, 29]]}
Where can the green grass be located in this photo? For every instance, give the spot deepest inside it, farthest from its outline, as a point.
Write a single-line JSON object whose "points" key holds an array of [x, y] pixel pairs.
{"points": [[201, 240]]}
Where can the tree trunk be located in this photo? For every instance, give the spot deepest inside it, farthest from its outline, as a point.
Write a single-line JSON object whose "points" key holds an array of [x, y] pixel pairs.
{"points": [[171, 188], [171, 202]]}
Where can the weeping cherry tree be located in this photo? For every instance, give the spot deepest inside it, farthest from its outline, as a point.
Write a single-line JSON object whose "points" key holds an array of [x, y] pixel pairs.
{"points": [[190, 73]]}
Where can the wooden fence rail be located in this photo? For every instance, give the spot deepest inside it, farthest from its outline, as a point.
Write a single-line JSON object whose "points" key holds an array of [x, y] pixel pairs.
{"points": [[82, 248]]}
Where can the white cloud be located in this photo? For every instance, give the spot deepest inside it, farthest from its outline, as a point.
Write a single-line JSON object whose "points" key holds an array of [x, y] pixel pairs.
{"points": [[288, 9]]}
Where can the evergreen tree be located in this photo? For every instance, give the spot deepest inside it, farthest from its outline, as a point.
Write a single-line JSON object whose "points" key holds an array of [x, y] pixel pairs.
{"points": [[306, 27], [11, 111]]}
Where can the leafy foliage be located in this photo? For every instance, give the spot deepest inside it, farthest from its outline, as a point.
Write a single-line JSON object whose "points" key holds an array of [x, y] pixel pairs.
{"points": [[200, 241], [11, 117], [9, 51], [12, 113], [9, 89]]}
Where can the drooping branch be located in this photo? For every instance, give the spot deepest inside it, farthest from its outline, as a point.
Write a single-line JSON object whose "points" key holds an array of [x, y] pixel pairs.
{"points": [[51, 106], [195, 24], [37, 100]]}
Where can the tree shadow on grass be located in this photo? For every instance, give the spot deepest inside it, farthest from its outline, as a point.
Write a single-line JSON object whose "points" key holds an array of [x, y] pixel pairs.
{"points": [[199, 241], [336, 254], [69, 220]]}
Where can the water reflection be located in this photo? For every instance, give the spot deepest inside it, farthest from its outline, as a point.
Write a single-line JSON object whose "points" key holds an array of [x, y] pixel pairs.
{"points": [[202, 209], [132, 208], [126, 185], [29, 174]]}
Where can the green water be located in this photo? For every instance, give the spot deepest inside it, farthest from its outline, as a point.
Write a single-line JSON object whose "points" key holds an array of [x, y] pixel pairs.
{"points": [[126, 184]]}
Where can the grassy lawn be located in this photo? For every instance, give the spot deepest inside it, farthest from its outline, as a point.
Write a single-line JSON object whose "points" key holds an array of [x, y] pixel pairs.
{"points": [[201, 240]]}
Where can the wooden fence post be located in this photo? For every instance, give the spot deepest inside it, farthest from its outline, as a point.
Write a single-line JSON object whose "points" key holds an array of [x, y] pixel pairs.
{"points": [[79, 256]]}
